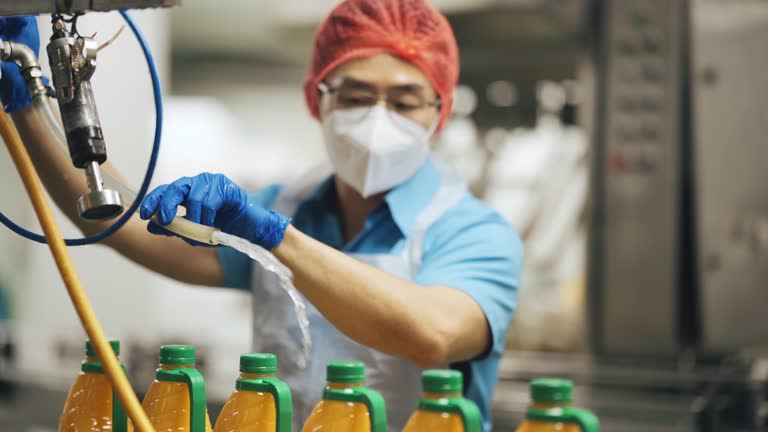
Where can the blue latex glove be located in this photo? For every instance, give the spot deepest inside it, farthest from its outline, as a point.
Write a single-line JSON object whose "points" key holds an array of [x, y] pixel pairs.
{"points": [[214, 200], [13, 91]]}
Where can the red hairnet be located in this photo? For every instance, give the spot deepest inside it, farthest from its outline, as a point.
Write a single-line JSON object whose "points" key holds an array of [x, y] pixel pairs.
{"points": [[412, 30]]}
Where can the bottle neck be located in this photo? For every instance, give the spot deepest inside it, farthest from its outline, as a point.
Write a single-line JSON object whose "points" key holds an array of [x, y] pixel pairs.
{"points": [[250, 376], [172, 367], [549, 405], [437, 396], [341, 386]]}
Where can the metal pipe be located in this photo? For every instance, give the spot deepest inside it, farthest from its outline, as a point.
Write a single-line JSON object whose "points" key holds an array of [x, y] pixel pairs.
{"points": [[93, 177], [27, 60]]}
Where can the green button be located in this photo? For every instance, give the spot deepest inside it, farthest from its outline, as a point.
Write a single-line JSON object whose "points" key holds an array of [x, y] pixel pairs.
{"points": [[640, 18]]}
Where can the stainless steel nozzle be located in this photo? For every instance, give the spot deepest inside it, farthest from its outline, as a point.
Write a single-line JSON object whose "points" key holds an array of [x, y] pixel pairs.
{"points": [[100, 204]]}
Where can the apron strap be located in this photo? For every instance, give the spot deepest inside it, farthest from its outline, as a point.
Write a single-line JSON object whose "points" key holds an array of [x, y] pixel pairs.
{"points": [[452, 190]]}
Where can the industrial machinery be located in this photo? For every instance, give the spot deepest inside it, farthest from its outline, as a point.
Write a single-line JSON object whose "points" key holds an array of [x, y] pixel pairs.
{"points": [[73, 60], [678, 260], [73, 63], [71, 7], [680, 251]]}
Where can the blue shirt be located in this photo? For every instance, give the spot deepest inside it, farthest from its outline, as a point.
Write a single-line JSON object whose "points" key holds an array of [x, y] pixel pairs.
{"points": [[470, 248]]}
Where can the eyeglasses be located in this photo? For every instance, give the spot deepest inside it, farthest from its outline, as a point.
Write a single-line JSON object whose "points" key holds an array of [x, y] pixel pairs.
{"points": [[406, 101]]}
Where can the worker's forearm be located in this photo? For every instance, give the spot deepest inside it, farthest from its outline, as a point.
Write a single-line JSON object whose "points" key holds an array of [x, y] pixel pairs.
{"points": [[375, 308]]}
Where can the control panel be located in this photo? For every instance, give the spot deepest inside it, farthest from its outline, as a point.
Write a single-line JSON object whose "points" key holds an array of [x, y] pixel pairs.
{"points": [[637, 171]]}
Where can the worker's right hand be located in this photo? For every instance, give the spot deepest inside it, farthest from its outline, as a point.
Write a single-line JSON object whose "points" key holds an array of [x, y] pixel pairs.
{"points": [[13, 91], [214, 200]]}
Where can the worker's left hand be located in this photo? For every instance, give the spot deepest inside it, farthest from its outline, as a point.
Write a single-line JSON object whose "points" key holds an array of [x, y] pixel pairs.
{"points": [[13, 90], [214, 200]]}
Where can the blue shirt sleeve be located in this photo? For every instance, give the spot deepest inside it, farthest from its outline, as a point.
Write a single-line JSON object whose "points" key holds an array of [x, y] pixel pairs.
{"points": [[236, 266], [475, 250]]}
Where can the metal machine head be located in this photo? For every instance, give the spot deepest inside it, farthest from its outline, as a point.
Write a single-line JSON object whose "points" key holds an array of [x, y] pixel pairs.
{"points": [[73, 63], [100, 206]]}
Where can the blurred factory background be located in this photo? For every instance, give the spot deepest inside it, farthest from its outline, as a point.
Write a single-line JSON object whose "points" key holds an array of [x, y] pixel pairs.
{"points": [[625, 140]]}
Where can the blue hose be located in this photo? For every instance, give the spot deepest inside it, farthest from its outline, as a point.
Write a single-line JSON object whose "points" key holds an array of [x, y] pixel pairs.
{"points": [[150, 168]]}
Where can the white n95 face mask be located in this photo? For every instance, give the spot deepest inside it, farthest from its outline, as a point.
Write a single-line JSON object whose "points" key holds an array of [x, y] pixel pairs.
{"points": [[374, 149]]}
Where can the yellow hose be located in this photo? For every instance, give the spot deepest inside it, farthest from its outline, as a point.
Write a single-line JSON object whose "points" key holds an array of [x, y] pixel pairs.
{"points": [[82, 305]]}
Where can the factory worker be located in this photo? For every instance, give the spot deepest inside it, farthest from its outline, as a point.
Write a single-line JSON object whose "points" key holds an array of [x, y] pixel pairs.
{"points": [[401, 266]]}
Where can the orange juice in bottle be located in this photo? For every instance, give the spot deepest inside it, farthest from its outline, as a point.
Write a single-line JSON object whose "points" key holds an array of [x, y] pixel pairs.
{"points": [[91, 406], [347, 406], [261, 402], [175, 402], [442, 407], [551, 409]]}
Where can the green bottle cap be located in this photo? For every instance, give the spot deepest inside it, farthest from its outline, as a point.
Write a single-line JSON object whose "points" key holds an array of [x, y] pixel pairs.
{"points": [[442, 381], [177, 355], [346, 372], [258, 363], [551, 390], [90, 352]]}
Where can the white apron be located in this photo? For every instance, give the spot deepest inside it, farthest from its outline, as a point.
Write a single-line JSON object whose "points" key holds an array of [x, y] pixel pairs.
{"points": [[275, 329]]}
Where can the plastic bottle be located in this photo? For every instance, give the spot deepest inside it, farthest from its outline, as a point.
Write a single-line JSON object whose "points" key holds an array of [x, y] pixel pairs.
{"points": [[261, 402], [442, 407], [91, 405], [347, 406], [175, 402], [551, 409]]}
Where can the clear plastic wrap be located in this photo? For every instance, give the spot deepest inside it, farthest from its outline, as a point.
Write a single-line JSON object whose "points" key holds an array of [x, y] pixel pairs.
{"points": [[284, 274]]}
